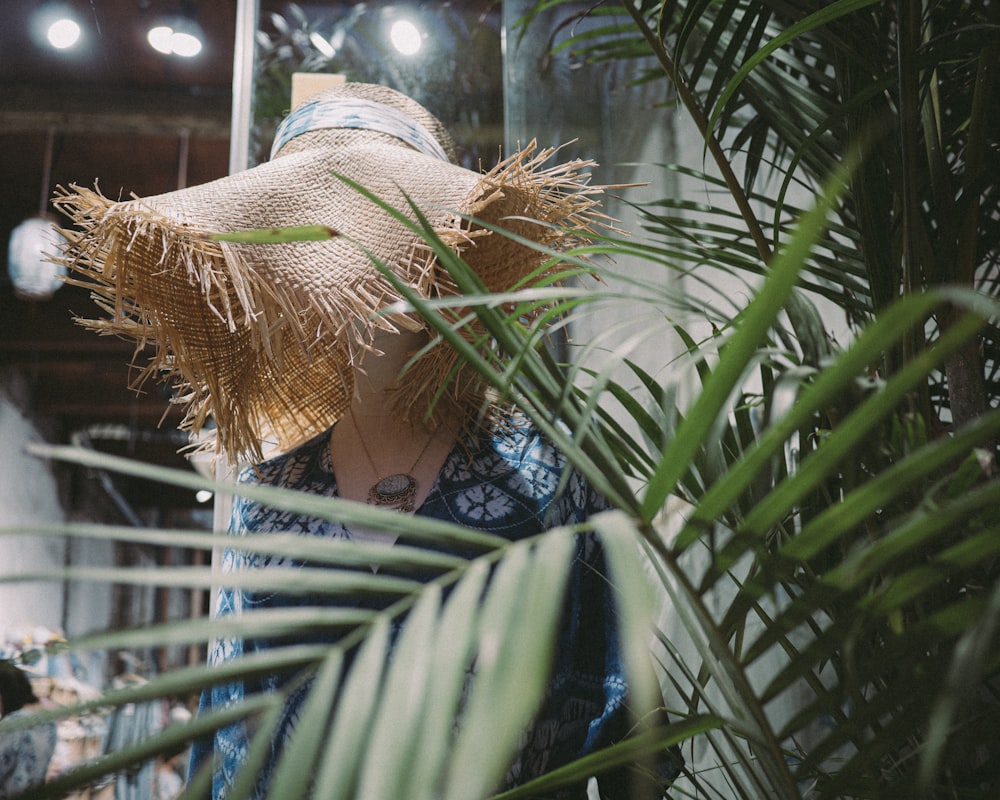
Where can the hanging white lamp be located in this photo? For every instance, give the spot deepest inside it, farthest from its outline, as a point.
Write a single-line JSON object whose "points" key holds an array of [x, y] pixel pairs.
{"points": [[34, 244]]}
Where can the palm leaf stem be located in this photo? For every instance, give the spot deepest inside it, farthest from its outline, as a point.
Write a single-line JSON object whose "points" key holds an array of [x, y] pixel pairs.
{"points": [[401, 557], [847, 436], [983, 97], [631, 751], [350, 513], [292, 778], [697, 115], [593, 462], [179, 682], [973, 655], [823, 16], [275, 623], [95, 769], [752, 327], [749, 717], [732, 749], [908, 537], [309, 581], [915, 264]]}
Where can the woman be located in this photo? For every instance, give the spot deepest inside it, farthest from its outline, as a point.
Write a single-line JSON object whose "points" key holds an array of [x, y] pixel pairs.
{"points": [[24, 753], [294, 341]]}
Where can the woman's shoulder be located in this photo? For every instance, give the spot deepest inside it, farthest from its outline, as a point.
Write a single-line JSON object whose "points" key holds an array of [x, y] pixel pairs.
{"points": [[515, 437], [307, 462], [513, 479], [511, 449]]}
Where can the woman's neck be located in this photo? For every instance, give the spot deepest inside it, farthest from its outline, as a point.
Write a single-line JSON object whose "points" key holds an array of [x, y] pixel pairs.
{"points": [[378, 371], [379, 437]]}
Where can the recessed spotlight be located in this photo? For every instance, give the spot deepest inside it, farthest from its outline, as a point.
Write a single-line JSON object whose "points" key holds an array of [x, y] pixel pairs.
{"points": [[405, 37], [179, 37], [159, 38], [63, 33], [186, 45]]}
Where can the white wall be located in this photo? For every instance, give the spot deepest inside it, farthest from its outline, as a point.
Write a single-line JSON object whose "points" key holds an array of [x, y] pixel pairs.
{"points": [[30, 498]]}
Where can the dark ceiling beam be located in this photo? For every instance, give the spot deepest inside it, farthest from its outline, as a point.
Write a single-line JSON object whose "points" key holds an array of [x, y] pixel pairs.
{"points": [[147, 413], [146, 112], [14, 349]]}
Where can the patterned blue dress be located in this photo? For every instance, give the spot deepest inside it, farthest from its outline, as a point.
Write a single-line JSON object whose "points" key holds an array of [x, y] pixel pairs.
{"points": [[510, 483]]}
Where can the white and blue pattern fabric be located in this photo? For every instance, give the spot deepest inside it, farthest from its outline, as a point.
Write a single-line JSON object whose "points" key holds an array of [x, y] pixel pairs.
{"points": [[359, 114], [514, 484], [25, 756]]}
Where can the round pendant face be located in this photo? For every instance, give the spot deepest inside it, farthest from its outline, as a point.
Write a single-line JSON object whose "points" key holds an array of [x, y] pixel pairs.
{"points": [[394, 485], [396, 491]]}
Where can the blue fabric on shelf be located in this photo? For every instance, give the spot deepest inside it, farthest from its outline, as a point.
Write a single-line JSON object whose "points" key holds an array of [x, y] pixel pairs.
{"points": [[25, 755]]}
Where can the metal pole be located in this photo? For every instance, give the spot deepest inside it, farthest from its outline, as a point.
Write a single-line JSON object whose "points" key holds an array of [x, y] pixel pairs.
{"points": [[247, 13]]}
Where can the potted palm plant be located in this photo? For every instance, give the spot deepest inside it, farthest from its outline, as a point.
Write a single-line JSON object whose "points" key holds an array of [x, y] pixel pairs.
{"points": [[812, 552]]}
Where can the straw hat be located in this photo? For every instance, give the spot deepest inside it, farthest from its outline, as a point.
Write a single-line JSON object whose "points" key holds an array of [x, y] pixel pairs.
{"points": [[260, 337]]}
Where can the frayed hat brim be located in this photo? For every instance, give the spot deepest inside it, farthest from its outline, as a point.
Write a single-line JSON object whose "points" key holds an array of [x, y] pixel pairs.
{"points": [[255, 336]]}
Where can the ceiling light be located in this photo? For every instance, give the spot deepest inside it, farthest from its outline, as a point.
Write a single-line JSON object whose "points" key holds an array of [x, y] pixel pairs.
{"points": [[55, 24], [159, 38], [186, 45], [405, 37], [180, 36], [63, 33]]}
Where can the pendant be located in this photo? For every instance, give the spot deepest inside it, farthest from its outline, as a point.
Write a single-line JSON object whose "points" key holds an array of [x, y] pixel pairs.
{"points": [[394, 491]]}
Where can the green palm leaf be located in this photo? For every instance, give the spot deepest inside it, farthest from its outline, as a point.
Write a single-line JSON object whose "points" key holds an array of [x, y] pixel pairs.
{"points": [[813, 557]]}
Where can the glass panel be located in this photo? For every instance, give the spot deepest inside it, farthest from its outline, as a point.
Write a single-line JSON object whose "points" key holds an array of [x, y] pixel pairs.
{"points": [[598, 111], [493, 83], [445, 55], [490, 80], [557, 97]]}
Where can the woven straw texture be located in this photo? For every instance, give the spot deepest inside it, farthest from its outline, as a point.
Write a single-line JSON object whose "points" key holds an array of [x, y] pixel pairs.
{"points": [[260, 338]]}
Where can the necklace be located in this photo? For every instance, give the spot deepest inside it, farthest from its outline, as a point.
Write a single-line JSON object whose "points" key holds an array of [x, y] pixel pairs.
{"points": [[393, 491]]}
